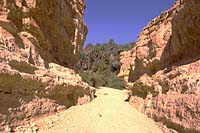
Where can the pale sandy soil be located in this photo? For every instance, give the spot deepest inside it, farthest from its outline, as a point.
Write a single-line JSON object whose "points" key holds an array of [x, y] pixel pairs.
{"points": [[108, 113]]}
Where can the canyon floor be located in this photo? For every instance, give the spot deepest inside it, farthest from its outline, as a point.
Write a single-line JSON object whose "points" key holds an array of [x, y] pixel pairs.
{"points": [[107, 113]]}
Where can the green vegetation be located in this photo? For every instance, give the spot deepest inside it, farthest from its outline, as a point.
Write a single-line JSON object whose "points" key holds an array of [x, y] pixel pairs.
{"points": [[10, 83], [100, 64], [175, 126], [12, 30], [142, 90], [16, 87], [22, 67], [2, 59], [33, 41], [16, 15], [9, 27], [93, 79], [1, 2], [38, 34], [66, 95]]}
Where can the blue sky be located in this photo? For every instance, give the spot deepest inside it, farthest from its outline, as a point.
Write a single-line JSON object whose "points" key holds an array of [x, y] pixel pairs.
{"points": [[120, 20]]}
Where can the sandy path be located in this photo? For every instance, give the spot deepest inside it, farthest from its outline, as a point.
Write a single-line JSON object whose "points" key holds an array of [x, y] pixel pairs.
{"points": [[108, 113]]}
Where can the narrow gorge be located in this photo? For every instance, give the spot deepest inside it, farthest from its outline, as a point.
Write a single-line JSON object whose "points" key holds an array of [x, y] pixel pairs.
{"points": [[50, 83]]}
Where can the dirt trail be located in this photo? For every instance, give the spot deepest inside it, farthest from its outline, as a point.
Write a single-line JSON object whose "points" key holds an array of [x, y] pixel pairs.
{"points": [[108, 113]]}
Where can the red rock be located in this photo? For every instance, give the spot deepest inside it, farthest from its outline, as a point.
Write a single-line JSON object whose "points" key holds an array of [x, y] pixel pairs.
{"points": [[48, 40], [166, 56]]}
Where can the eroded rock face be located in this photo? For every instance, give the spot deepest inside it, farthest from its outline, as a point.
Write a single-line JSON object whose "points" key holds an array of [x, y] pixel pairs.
{"points": [[166, 65], [171, 38], [183, 45], [38, 39], [127, 59], [31, 91], [55, 28], [176, 96]]}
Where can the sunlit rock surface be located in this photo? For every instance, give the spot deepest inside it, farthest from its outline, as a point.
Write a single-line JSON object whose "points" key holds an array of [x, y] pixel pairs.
{"points": [[165, 62], [38, 40]]}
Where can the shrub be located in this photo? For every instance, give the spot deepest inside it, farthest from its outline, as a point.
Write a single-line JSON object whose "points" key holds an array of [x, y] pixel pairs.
{"points": [[8, 83], [2, 59], [93, 79], [1, 2], [16, 15], [98, 80], [117, 83], [101, 64], [12, 30], [115, 66], [66, 95], [23, 67]]}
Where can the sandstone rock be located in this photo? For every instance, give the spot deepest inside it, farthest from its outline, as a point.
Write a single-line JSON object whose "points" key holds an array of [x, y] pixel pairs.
{"points": [[127, 58], [63, 90], [35, 129], [8, 129], [178, 104], [165, 62], [38, 40], [54, 31], [163, 42], [184, 33]]}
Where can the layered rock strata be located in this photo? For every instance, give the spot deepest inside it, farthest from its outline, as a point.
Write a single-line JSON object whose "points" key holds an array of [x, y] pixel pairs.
{"points": [[38, 40], [54, 28], [165, 63]]}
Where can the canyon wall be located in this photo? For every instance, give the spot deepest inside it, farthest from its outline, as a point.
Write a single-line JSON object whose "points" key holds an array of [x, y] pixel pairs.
{"points": [[165, 63], [55, 28], [38, 40]]}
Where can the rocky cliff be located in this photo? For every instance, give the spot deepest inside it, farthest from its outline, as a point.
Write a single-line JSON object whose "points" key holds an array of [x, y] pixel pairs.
{"points": [[165, 63], [55, 28], [38, 39]]}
